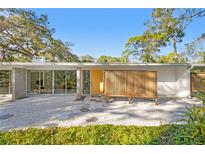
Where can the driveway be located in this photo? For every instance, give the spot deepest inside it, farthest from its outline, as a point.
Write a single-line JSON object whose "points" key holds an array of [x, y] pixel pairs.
{"points": [[63, 110]]}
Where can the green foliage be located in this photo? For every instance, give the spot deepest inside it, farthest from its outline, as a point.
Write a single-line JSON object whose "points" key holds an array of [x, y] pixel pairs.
{"points": [[170, 58], [24, 35], [195, 119], [87, 59], [103, 134], [110, 59], [166, 22], [166, 27], [144, 47], [195, 50]]}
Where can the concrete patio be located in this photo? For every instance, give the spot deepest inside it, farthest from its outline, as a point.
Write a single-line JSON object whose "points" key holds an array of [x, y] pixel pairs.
{"points": [[62, 110]]}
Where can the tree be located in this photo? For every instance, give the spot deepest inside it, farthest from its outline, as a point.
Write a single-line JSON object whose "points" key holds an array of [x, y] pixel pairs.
{"points": [[24, 35], [102, 59], [172, 23], [144, 47], [170, 58], [166, 27], [195, 51], [87, 59], [110, 59], [165, 22]]}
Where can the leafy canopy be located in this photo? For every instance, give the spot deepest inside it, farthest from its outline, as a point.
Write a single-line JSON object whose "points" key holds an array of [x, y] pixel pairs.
{"points": [[24, 35], [110, 59], [87, 59], [165, 28]]}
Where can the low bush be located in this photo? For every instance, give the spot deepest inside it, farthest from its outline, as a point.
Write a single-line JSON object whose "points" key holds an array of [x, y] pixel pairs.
{"points": [[195, 119], [102, 134]]}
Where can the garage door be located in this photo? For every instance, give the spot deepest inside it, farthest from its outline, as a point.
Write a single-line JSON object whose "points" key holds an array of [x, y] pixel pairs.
{"points": [[131, 83]]}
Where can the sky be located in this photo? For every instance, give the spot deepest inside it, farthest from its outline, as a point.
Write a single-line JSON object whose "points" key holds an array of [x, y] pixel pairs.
{"points": [[105, 31]]}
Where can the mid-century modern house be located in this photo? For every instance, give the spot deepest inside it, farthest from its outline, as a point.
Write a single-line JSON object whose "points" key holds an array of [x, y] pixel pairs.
{"points": [[130, 80]]}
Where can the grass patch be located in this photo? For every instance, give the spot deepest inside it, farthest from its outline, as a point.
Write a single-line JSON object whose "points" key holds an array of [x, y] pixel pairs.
{"points": [[102, 134]]}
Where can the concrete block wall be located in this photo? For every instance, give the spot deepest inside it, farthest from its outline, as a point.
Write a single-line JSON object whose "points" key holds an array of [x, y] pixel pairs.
{"points": [[19, 83]]}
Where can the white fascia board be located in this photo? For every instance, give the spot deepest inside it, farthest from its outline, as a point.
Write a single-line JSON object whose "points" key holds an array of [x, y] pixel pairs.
{"points": [[68, 66]]}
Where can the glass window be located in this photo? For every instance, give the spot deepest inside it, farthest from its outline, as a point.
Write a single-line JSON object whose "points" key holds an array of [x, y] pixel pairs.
{"points": [[86, 81], [46, 82], [39, 82], [5, 81], [71, 81], [59, 80], [34, 82]]}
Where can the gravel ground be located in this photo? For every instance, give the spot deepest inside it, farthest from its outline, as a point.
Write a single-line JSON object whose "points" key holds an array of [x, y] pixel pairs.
{"points": [[63, 110]]}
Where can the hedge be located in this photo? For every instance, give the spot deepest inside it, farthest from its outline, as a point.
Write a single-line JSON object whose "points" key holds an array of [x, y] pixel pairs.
{"points": [[100, 135]]}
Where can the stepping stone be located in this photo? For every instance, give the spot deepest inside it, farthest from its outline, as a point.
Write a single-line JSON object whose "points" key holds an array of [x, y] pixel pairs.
{"points": [[92, 99], [98, 100], [6, 116], [99, 110], [85, 109], [92, 119], [80, 99]]}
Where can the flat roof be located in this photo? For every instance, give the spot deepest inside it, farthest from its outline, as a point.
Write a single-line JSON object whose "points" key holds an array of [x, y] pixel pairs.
{"points": [[70, 65], [85, 64], [198, 65]]}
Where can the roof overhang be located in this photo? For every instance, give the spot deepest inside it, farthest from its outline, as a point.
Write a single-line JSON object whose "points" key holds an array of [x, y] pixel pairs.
{"points": [[67, 65]]}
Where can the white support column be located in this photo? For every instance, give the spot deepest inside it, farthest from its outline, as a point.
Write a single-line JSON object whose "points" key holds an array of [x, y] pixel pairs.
{"points": [[26, 82], [79, 86], [18, 83], [10, 82], [66, 88], [13, 84], [53, 81], [39, 82]]}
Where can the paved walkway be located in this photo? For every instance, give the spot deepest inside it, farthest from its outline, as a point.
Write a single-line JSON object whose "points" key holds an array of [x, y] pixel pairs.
{"points": [[63, 110]]}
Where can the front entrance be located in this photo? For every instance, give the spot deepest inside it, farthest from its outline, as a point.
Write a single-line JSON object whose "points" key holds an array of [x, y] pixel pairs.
{"points": [[96, 79]]}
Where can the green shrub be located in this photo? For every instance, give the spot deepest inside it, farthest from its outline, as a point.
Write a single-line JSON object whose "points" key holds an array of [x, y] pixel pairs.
{"points": [[96, 134], [104, 134], [195, 119]]}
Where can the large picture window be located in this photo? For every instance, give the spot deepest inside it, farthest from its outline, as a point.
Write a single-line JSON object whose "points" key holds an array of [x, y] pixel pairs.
{"points": [[59, 79], [40, 82], [71, 81], [43, 82]]}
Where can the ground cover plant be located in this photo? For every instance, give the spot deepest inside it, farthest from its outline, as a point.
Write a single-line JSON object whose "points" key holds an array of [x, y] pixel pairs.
{"points": [[106, 134]]}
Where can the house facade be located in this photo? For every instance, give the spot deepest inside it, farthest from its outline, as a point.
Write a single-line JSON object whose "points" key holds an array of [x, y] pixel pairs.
{"points": [[162, 80]]}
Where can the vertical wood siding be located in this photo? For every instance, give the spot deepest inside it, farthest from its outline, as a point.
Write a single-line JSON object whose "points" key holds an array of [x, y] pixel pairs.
{"points": [[131, 83], [197, 82]]}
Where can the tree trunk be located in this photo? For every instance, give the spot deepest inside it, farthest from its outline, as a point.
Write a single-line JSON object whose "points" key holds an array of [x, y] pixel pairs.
{"points": [[175, 51]]}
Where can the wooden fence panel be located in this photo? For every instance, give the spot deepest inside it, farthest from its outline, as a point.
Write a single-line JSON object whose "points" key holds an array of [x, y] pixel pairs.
{"points": [[198, 82], [131, 83]]}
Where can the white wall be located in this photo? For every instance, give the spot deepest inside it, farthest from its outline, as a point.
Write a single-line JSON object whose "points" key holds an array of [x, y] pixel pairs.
{"points": [[19, 89], [183, 84]]}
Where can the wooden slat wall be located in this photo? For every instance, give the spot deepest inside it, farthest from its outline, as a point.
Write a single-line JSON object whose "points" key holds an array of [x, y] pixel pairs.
{"points": [[131, 83], [198, 82]]}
